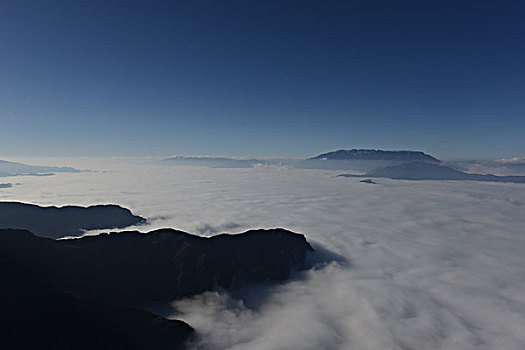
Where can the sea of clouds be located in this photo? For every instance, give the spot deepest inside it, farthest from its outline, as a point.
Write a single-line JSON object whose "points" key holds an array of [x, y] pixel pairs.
{"points": [[425, 264]]}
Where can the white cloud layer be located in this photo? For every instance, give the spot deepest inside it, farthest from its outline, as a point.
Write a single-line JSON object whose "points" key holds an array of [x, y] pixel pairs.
{"points": [[433, 264]]}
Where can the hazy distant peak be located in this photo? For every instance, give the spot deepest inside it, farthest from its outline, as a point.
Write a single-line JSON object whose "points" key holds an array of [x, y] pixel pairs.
{"points": [[372, 154], [429, 171], [175, 157], [8, 168], [225, 162]]}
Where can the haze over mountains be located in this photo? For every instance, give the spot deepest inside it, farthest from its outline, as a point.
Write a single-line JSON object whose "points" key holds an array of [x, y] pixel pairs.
{"points": [[341, 159], [406, 165], [216, 162], [16, 169], [358, 161], [225, 162], [430, 171]]}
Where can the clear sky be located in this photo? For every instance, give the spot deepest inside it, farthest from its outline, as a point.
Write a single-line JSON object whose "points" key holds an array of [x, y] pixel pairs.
{"points": [[239, 78]]}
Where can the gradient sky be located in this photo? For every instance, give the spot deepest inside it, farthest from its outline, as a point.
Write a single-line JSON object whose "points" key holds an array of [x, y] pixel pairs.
{"points": [[239, 78]]}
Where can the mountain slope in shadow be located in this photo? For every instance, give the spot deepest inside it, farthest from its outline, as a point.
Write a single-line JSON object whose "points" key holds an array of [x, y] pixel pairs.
{"points": [[429, 171], [89, 292], [56, 222]]}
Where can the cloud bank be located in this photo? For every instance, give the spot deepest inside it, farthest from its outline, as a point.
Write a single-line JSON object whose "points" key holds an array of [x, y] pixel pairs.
{"points": [[431, 265]]}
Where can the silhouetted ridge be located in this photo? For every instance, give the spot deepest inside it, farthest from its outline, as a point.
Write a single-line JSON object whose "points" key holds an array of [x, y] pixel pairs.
{"points": [[38, 313], [369, 154], [163, 264], [55, 222], [88, 292]]}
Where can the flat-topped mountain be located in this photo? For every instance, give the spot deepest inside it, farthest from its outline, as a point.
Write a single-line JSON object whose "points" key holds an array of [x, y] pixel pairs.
{"points": [[100, 283], [56, 222], [371, 154], [429, 171], [363, 160]]}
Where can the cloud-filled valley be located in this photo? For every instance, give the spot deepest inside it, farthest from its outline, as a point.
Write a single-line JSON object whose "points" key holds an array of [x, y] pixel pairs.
{"points": [[430, 265]]}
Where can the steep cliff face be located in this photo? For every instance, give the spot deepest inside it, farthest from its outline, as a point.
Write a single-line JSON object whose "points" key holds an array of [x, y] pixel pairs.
{"points": [[99, 284]]}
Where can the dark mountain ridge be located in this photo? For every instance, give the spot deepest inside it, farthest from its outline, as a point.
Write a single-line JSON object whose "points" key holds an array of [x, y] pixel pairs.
{"points": [[56, 222], [100, 283]]}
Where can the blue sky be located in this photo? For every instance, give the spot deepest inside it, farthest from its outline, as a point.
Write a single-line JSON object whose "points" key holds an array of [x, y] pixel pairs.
{"points": [[240, 78]]}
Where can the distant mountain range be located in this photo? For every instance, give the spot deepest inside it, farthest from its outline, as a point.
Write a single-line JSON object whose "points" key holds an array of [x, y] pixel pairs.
{"points": [[355, 159], [55, 222], [213, 162], [16, 169], [224, 162], [430, 171], [89, 293]]}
